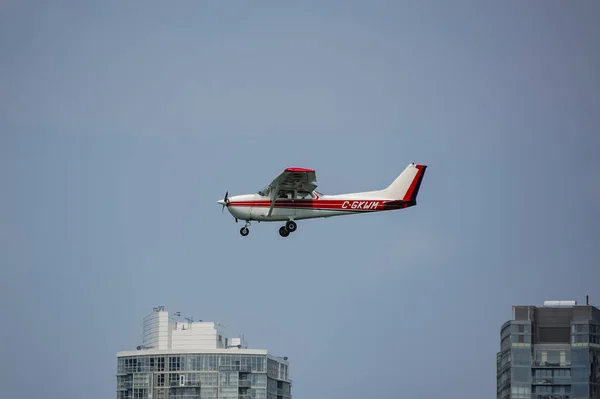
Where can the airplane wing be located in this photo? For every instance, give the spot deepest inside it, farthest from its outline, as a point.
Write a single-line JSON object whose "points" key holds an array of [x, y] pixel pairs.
{"points": [[301, 179], [295, 179]]}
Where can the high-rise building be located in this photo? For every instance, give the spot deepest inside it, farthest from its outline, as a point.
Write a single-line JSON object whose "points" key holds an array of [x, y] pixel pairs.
{"points": [[550, 352], [183, 359]]}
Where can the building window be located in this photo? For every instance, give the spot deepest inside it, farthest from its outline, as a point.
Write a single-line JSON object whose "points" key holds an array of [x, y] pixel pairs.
{"points": [[174, 363], [140, 393], [580, 338], [580, 328], [521, 357]]}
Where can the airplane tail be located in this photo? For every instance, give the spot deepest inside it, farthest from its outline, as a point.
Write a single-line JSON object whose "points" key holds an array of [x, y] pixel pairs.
{"points": [[407, 185]]}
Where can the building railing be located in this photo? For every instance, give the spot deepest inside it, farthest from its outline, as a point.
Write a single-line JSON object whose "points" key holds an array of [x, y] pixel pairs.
{"points": [[503, 367], [240, 368], [551, 380], [177, 383], [504, 384], [244, 383], [551, 365], [125, 385]]}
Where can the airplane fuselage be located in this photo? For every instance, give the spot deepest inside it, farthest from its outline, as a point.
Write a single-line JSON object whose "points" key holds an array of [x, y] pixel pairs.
{"points": [[254, 207], [291, 196]]}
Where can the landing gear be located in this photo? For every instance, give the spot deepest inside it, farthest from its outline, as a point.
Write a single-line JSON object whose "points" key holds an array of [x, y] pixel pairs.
{"points": [[283, 231], [291, 226], [244, 231]]}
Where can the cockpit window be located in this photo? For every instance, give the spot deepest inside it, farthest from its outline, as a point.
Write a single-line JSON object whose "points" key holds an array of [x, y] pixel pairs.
{"points": [[304, 195], [266, 192]]}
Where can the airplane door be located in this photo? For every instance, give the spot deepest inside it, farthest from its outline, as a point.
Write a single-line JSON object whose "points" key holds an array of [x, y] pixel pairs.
{"points": [[292, 211], [287, 209]]}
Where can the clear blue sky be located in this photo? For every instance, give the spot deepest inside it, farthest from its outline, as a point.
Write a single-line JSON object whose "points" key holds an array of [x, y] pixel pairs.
{"points": [[122, 124]]}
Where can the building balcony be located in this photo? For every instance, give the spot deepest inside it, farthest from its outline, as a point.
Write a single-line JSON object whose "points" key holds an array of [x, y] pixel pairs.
{"points": [[123, 386], [241, 369], [551, 365], [503, 367], [244, 383], [551, 381], [504, 384], [178, 383]]}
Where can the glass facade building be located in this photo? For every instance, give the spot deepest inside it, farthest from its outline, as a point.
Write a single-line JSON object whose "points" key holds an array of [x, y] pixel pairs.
{"points": [[550, 352], [202, 366], [202, 375]]}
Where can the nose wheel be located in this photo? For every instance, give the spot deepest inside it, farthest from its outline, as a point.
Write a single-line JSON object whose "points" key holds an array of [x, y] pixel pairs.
{"points": [[283, 231], [244, 231]]}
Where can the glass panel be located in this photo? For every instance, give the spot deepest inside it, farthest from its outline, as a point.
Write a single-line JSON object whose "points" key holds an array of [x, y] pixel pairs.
{"points": [[521, 357], [521, 374]]}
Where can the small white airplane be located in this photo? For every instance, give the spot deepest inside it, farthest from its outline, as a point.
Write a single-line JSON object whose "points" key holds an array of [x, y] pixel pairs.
{"points": [[291, 196]]}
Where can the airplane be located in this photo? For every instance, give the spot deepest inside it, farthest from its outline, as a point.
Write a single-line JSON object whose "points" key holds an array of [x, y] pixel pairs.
{"points": [[292, 196]]}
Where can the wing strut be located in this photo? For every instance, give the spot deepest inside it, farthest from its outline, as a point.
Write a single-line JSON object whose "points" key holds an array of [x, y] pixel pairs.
{"points": [[273, 199]]}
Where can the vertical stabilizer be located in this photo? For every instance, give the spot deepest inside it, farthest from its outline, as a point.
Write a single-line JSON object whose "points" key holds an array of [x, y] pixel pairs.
{"points": [[407, 185]]}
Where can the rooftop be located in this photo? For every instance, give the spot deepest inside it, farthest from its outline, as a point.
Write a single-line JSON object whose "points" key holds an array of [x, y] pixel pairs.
{"points": [[165, 334]]}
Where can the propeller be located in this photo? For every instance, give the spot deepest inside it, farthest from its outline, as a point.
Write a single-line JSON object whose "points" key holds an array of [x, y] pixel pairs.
{"points": [[225, 200]]}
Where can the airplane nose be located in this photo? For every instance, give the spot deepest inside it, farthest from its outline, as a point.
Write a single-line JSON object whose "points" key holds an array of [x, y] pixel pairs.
{"points": [[221, 202]]}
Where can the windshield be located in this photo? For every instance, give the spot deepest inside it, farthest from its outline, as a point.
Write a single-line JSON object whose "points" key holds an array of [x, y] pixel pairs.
{"points": [[265, 192]]}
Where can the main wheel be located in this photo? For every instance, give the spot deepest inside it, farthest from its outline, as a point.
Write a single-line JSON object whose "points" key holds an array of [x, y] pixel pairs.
{"points": [[244, 231], [291, 226], [283, 231]]}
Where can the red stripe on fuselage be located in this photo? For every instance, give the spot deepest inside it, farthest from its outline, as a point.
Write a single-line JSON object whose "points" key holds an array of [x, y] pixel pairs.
{"points": [[350, 205]]}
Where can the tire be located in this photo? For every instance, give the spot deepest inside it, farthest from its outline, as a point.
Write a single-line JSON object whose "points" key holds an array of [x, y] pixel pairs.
{"points": [[291, 226]]}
